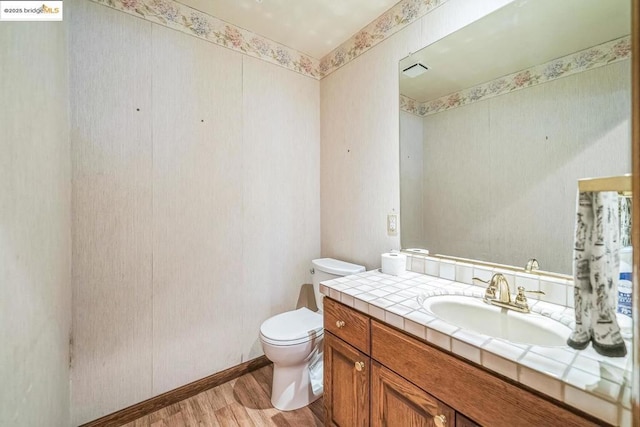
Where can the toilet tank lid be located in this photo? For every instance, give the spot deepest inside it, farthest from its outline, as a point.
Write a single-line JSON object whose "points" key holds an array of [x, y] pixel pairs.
{"points": [[337, 267]]}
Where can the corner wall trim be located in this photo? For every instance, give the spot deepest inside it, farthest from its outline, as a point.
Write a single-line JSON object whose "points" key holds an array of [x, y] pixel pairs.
{"points": [[163, 400]]}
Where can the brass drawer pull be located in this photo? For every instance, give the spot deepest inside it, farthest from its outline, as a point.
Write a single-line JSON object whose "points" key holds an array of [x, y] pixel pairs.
{"points": [[359, 366], [340, 324], [440, 421]]}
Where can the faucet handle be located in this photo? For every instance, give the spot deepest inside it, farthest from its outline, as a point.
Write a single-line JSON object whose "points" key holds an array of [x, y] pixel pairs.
{"points": [[490, 292], [521, 298], [477, 279]]}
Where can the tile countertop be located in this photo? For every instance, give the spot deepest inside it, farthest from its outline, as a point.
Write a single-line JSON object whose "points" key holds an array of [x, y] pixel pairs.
{"points": [[597, 385]]}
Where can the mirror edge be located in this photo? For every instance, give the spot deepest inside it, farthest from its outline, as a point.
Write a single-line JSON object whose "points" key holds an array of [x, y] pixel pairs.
{"points": [[635, 155]]}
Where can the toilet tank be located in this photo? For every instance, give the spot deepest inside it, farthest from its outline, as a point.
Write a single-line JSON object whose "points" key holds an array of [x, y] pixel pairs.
{"points": [[324, 269]]}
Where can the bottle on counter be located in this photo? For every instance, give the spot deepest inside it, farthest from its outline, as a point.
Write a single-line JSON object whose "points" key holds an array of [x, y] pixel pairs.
{"points": [[625, 286]]}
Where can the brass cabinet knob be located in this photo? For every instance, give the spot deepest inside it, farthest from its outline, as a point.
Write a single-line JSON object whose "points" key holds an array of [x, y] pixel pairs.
{"points": [[440, 421], [340, 324], [359, 366]]}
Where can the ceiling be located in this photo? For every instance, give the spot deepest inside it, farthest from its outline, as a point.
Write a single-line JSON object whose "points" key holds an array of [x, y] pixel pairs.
{"points": [[314, 27], [518, 36]]}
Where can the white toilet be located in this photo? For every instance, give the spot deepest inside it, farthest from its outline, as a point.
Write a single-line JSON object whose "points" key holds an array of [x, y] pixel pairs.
{"points": [[293, 340]]}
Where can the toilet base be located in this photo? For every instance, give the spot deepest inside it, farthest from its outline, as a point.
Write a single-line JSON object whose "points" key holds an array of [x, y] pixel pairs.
{"points": [[291, 388]]}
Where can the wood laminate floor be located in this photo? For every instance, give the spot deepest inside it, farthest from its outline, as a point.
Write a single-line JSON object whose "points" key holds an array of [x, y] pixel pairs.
{"points": [[244, 401]]}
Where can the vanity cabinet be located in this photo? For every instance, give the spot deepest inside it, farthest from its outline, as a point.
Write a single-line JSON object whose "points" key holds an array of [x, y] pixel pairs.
{"points": [[397, 402], [346, 366], [346, 384], [358, 391], [462, 421], [375, 375]]}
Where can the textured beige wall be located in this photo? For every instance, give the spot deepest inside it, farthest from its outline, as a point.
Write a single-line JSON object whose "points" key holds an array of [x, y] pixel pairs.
{"points": [[195, 218], [35, 221], [501, 175], [360, 177], [111, 147], [280, 194], [197, 208]]}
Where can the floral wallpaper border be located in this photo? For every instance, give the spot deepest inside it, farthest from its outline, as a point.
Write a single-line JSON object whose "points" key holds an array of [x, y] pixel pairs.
{"points": [[594, 57], [185, 19], [387, 24]]}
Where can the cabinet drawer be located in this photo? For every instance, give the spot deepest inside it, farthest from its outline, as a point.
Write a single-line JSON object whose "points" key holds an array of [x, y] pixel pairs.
{"points": [[347, 324], [484, 397]]}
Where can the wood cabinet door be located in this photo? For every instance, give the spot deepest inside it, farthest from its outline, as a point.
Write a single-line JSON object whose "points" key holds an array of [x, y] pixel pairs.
{"points": [[462, 421], [346, 384], [397, 402]]}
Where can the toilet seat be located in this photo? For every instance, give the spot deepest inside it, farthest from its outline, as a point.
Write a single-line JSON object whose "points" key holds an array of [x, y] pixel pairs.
{"points": [[292, 328]]}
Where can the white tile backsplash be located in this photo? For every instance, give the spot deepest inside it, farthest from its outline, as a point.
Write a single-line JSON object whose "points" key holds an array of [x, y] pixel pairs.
{"points": [[570, 296], [409, 263], [432, 267], [417, 264], [482, 273], [529, 282], [464, 273], [448, 270], [555, 291]]}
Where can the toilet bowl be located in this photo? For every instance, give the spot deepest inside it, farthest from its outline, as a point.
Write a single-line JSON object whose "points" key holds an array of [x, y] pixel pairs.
{"points": [[293, 342]]}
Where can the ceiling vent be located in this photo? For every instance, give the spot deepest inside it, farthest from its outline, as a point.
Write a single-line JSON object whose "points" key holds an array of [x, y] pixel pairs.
{"points": [[415, 70]]}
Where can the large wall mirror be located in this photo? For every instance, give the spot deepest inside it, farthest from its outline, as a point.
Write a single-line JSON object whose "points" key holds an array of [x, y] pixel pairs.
{"points": [[509, 113]]}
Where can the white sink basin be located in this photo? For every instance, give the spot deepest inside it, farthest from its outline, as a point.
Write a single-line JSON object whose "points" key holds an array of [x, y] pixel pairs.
{"points": [[476, 315]]}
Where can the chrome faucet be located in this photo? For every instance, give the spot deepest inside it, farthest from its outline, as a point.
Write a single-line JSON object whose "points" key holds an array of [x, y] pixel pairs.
{"points": [[499, 294]]}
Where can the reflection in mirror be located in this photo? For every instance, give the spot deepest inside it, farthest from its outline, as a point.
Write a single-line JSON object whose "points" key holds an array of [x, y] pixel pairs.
{"points": [[511, 111]]}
